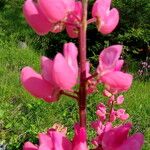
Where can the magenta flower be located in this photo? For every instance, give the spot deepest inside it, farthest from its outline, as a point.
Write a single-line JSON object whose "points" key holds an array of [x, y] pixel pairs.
{"points": [[74, 18], [122, 115], [109, 59], [107, 19], [101, 111], [79, 140], [36, 18], [98, 127], [53, 78], [47, 15], [118, 139], [58, 10], [36, 85], [52, 140], [91, 84], [120, 99], [117, 81], [100, 130], [109, 70]]}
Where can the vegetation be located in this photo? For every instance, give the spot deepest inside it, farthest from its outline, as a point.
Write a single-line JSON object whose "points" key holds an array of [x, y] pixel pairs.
{"points": [[23, 116]]}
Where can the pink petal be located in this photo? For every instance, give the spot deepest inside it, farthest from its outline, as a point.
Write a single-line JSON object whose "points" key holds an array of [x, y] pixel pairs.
{"points": [[111, 100], [79, 140], [120, 99], [29, 146], [44, 147], [57, 27], [115, 137], [35, 18], [69, 5], [113, 115], [108, 126], [72, 30], [122, 115], [36, 85], [56, 11], [119, 65], [98, 126], [107, 19], [60, 142], [63, 75], [110, 22], [45, 139], [70, 54], [117, 81], [134, 142], [108, 58], [100, 8], [88, 69], [107, 93], [46, 66]]}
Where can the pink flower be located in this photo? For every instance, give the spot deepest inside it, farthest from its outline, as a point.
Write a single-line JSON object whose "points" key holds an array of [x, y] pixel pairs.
{"points": [[107, 19], [122, 115], [98, 126], [107, 93], [120, 99], [65, 68], [101, 111], [53, 79], [119, 65], [52, 140], [79, 140], [36, 18], [113, 116], [74, 18], [100, 130], [91, 83], [111, 100], [109, 70], [56, 11], [109, 59], [36, 85], [117, 81], [41, 15], [117, 139]]}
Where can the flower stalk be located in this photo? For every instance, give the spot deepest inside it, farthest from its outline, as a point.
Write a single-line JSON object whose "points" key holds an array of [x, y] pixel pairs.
{"points": [[82, 56]]}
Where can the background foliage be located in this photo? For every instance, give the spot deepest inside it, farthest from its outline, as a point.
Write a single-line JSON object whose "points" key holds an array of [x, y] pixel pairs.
{"points": [[133, 30], [23, 116]]}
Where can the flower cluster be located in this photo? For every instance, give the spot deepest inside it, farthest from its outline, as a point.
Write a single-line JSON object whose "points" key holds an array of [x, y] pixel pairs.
{"points": [[59, 75], [56, 75], [111, 137], [46, 16], [116, 138], [54, 140]]}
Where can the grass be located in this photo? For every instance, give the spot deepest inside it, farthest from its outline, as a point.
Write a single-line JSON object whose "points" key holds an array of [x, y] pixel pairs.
{"points": [[23, 116]]}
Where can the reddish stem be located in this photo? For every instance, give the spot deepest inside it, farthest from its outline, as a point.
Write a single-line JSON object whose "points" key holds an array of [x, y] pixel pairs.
{"points": [[82, 56], [69, 95], [111, 108], [92, 20]]}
